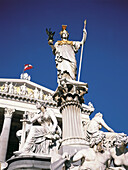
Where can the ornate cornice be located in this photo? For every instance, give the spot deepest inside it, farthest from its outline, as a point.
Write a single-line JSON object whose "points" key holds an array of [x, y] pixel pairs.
{"points": [[25, 99], [25, 91], [14, 94]]}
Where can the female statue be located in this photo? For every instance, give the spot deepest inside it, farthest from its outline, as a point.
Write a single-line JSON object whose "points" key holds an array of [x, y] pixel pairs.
{"points": [[64, 51], [40, 138]]}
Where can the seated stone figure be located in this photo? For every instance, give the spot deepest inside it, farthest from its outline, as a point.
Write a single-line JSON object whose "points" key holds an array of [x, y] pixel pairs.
{"points": [[41, 138], [107, 149]]}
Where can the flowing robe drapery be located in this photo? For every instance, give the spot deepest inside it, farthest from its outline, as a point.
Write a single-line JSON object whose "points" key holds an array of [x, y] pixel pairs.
{"points": [[65, 57], [37, 141]]}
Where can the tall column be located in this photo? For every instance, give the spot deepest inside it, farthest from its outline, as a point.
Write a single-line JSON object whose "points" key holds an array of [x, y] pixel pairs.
{"points": [[5, 133], [72, 123], [69, 96]]}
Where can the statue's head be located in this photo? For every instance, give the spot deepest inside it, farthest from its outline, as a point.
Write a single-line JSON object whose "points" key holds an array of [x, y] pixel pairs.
{"points": [[64, 33], [121, 140]]}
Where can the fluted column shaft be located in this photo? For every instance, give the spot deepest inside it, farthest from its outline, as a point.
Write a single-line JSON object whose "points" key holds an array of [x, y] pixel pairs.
{"points": [[4, 137], [72, 124]]}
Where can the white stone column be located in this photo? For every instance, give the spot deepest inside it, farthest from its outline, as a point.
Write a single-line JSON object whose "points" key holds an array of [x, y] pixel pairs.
{"points": [[72, 124], [5, 133], [69, 96]]}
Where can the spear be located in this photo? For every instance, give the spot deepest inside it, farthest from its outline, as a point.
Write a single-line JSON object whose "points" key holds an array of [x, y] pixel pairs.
{"points": [[81, 55]]}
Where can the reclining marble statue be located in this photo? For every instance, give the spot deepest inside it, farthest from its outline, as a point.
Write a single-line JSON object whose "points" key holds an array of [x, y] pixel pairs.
{"points": [[41, 138], [93, 133], [94, 159], [107, 150]]}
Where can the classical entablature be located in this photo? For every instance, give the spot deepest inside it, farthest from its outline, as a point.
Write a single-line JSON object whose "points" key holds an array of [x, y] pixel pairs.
{"points": [[24, 94], [19, 88]]}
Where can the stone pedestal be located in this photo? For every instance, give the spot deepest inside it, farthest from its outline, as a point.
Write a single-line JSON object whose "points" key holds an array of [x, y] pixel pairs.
{"points": [[5, 133], [30, 162]]}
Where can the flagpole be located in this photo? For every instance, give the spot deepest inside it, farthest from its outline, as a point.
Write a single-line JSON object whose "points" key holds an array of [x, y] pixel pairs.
{"points": [[81, 55], [23, 73], [23, 69]]}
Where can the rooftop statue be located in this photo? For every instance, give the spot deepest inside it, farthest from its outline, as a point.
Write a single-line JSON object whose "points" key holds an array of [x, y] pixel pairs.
{"points": [[65, 50], [6, 87]]}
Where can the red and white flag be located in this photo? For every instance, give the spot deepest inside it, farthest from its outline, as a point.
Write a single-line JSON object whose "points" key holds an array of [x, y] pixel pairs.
{"points": [[27, 67]]}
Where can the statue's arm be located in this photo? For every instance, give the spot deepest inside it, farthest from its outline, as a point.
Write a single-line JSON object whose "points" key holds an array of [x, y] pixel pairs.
{"points": [[52, 46], [102, 122], [33, 120], [84, 36], [77, 44], [54, 120], [79, 155]]}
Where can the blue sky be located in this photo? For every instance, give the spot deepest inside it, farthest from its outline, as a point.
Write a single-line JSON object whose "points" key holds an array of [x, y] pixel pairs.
{"points": [[23, 40]]}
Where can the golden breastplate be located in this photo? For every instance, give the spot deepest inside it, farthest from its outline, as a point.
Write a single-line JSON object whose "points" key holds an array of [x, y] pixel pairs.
{"points": [[63, 42]]}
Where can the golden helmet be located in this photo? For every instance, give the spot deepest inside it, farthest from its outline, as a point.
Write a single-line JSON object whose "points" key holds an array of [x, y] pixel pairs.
{"points": [[64, 30]]}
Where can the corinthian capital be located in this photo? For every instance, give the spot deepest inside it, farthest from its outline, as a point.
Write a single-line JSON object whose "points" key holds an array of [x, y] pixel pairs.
{"points": [[8, 112]]}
